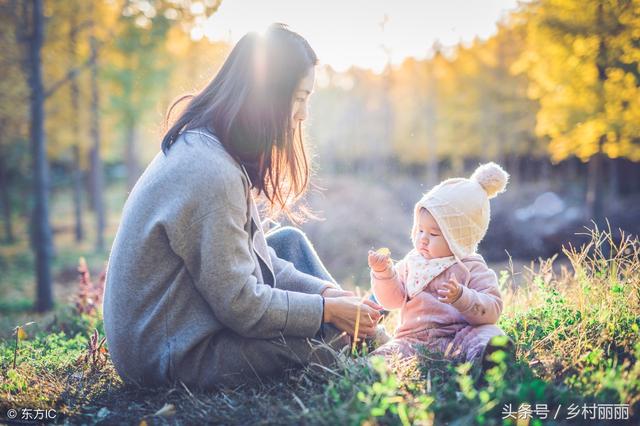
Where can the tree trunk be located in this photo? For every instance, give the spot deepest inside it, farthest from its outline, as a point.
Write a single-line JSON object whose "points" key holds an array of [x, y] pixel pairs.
{"points": [[513, 168], [77, 193], [433, 171], [545, 170], [41, 229], [75, 108], [595, 179], [87, 184], [131, 155], [573, 169], [6, 203], [595, 187], [614, 181], [457, 165], [635, 178], [97, 178]]}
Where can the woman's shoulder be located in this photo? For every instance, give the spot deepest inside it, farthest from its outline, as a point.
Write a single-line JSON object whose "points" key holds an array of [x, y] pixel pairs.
{"points": [[202, 151], [196, 170], [199, 160]]}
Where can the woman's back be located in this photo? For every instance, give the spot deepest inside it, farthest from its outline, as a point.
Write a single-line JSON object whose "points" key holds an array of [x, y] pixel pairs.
{"points": [[150, 294]]}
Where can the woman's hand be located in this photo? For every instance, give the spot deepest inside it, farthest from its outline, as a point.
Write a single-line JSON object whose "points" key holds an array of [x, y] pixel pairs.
{"points": [[379, 262], [451, 292], [336, 292], [343, 312]]}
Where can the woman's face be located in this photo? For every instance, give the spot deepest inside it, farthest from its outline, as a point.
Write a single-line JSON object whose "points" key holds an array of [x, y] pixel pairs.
{"points": [[301, 98]]}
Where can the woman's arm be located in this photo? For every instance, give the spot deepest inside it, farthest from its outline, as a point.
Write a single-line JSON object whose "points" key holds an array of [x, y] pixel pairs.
{"points": [[289, 278], [216, 253]]}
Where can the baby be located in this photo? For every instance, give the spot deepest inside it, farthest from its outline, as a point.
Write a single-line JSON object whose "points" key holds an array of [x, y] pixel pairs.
{"points": [[448, 297]]}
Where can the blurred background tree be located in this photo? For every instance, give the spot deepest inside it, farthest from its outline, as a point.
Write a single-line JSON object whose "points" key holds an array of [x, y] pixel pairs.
{"points": [[582, 61], [13, 127], [47, 41]]}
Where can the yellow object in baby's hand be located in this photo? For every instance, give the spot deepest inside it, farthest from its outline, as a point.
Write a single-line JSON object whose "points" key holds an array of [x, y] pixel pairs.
{"points": [[384, 251]]}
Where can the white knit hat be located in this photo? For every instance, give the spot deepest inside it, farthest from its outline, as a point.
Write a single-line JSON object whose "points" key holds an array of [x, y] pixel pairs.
{"points": [[461, 207]]}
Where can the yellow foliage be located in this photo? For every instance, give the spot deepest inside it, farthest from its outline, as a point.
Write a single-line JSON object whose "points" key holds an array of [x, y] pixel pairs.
{"points": [[581, 113]]}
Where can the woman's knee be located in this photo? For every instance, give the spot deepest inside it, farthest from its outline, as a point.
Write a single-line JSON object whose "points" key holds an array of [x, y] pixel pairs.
{"points": [[286, 233], [291, 232]]}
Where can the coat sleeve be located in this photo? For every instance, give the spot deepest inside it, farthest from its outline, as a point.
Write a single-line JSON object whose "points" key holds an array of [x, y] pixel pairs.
{"points": [[289, 278], [389, 286], [216, 253], [481, 301]]}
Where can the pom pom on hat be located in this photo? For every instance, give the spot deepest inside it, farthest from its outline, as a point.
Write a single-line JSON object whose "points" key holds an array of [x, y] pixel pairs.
{"points": [[492, 178]]}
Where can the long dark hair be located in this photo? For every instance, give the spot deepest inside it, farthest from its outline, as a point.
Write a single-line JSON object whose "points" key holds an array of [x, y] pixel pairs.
{"points": [[248, 106]]}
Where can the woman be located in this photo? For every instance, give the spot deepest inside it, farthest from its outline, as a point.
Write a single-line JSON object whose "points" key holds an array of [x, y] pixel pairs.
{"points": [[195, 292]]}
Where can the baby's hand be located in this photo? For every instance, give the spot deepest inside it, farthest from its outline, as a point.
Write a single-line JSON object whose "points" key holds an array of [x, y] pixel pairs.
{"points": [[379, 260], [451, 292]]}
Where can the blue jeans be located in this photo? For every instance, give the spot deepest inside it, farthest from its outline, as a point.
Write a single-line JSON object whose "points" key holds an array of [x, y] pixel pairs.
{"points": [[293, 245]]}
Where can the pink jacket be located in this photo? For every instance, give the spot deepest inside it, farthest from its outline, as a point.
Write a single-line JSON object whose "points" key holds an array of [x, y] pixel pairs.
{"points": [[480, 302]]}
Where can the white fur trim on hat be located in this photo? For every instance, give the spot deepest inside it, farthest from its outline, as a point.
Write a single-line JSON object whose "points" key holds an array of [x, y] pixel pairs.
{"points": [[492, 178]]}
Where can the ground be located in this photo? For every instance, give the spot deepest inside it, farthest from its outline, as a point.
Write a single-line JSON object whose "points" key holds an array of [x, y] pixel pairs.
{"points": [[575, 324]]}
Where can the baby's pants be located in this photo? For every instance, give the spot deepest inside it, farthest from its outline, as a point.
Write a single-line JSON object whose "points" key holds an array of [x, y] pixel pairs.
{"points": [[467, 344]]}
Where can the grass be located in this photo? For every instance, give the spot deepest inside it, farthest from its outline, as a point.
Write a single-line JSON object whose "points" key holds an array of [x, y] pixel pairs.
{"points": [[576, 332]]}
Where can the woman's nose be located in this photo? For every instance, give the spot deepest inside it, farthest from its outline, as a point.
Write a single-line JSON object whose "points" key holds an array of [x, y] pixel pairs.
{"points": [[301, 114]]}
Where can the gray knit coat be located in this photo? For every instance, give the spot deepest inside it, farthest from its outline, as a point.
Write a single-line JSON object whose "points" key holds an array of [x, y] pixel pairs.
{"points": [[185, 267]]}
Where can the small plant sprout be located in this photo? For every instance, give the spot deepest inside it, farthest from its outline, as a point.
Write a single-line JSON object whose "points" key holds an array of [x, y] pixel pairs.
{"points": [[96, 354], [89, 296], [20, 335]]}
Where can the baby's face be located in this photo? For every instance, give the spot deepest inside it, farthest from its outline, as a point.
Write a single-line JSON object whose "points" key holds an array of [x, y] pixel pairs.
{"points": [[429, 241]]}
